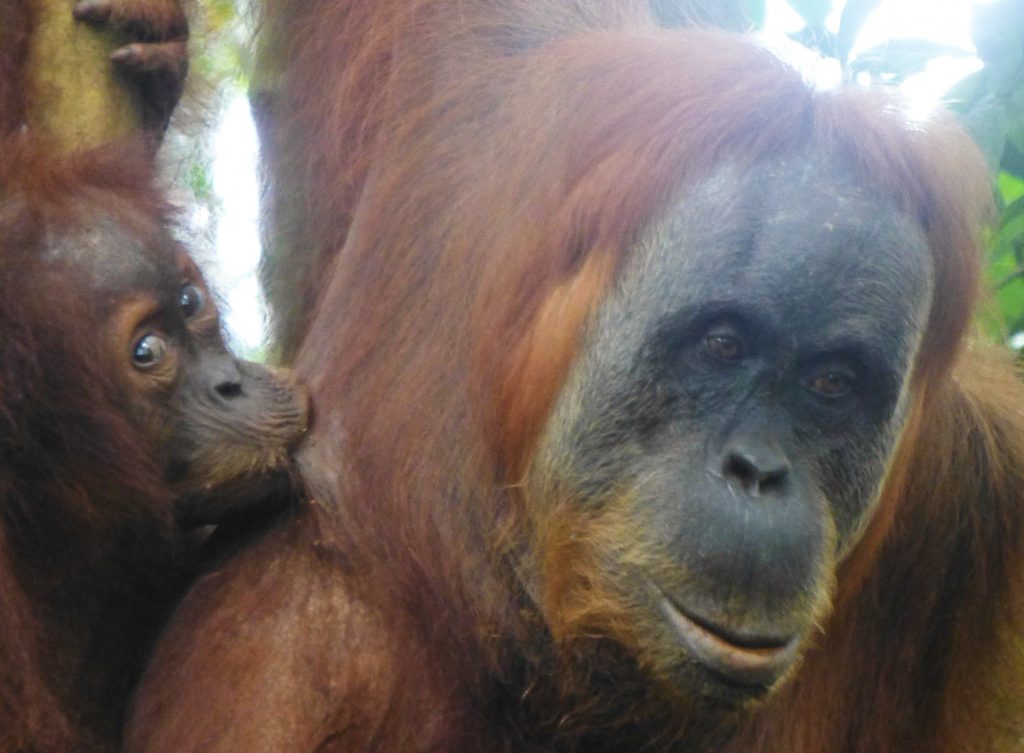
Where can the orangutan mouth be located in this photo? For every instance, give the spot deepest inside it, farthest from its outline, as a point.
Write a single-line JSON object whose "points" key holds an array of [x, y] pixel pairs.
{"points": [[741, 658]]}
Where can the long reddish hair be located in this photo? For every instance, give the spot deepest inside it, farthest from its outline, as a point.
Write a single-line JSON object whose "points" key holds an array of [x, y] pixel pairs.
{"points": [[471, 183]]}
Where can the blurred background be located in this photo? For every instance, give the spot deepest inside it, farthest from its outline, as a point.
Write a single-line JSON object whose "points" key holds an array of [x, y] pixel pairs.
{"points": [[964, 55]]}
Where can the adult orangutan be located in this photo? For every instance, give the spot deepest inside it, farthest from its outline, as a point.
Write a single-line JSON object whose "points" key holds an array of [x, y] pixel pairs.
{"points": [[124, 422], [644, 415]]}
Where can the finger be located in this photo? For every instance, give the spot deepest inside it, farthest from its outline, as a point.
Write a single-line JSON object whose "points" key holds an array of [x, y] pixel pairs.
{"points": [[165, 57], [149, 19], [94, 11]]}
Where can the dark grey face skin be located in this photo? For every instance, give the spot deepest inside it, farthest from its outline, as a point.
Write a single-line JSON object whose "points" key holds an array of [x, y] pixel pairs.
{"points": [[223, 426], [743, 389]]}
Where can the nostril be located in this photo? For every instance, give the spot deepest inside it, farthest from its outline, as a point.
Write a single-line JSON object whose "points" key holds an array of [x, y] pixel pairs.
{"points": [[740, 469], [229, 389], [773, 481], [753, 477]]}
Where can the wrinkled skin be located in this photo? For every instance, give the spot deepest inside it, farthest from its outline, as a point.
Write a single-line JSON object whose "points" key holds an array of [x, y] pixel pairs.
{"points": [[736, 410]]}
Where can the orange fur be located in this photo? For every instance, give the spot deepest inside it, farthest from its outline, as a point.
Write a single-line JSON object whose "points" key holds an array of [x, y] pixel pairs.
{"points": [[87, 556], [929, 646], [471, 178]]}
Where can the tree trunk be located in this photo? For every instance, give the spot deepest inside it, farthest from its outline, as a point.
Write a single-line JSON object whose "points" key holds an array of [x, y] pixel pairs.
{"points": [[75, 95]]}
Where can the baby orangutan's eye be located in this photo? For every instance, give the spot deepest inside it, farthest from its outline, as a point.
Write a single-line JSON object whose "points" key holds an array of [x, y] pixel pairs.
{"points": [[191, 300], [148, 351]]}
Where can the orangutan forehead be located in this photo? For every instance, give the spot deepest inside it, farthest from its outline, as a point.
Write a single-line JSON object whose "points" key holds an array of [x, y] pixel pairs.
{"points": [[113, 259], [799, 243]]}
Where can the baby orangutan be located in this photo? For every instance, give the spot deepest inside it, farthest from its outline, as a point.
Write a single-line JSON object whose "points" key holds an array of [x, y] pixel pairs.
{"points": [[124, 421]]}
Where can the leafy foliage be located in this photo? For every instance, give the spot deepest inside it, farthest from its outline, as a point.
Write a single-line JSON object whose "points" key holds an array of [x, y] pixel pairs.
{"points": [[989, 101], [992, 103]]}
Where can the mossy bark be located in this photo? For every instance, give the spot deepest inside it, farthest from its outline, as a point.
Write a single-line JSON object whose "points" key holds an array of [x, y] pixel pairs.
{"points": [[76, 95]]}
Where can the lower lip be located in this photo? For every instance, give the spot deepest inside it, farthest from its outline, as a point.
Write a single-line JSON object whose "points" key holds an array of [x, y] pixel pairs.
{"points": [[757, 665]]}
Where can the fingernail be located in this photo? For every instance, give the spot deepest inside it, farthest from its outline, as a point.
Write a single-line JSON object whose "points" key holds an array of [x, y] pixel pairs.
{"points": [[82, 8], [123, 53]]}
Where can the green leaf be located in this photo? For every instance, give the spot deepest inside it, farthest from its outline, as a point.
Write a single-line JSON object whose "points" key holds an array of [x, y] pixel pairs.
{"points": [[1012, 213], [813, 12], [1010, 187], [1013, 160], [1015, 113], [998, 31], [966, 92], [1010, 241], [899, 58], [988, 124], [854, 15], [1010, 300], [821, 40]]}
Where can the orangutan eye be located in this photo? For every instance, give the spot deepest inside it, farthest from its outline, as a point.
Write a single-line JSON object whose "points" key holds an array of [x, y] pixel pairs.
{"points": [[832, 382], [149, 351], [724, 343], [191, 300]]}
